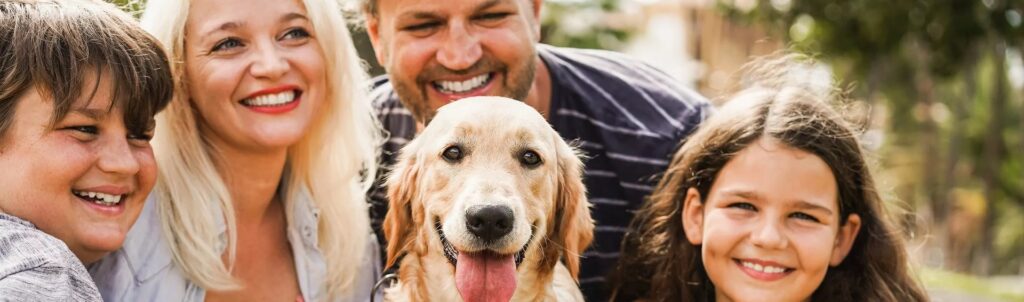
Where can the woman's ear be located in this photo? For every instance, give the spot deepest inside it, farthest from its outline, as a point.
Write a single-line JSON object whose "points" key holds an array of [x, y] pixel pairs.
{"points": [[693, 217], [844, 239]]}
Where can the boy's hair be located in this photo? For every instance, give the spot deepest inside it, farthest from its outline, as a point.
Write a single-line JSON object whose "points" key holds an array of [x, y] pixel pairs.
{"points": [[52, 45], [658, 263]]}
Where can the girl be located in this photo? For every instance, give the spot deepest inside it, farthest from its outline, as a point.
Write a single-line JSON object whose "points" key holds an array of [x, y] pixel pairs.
{"points": [[269, 145], [770, 200]]}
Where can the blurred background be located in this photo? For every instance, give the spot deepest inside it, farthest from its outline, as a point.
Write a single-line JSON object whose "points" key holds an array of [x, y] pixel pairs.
{"points": [[937, 86]]}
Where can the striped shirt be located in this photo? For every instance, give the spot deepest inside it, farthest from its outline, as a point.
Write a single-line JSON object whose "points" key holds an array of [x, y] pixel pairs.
{"points": [[626, 116], [35, 266]]}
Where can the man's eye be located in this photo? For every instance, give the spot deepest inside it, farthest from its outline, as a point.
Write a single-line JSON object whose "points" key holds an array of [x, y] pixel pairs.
{"points": [[226, 44], [493, 16], [422, 26]]}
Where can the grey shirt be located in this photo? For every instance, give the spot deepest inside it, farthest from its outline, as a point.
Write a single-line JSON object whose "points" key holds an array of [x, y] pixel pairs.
{"points": [[35, 266], [143, 269]]}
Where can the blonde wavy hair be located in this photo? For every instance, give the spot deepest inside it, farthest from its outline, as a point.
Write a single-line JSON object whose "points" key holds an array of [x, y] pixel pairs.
{"points": [[335, 162]]}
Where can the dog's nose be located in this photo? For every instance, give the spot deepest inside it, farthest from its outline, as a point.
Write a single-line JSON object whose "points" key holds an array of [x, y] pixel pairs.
{"points": [[489, 222]]}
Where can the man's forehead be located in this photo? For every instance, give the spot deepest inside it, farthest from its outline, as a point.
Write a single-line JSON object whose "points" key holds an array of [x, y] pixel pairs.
{"points": [[413, 8]]}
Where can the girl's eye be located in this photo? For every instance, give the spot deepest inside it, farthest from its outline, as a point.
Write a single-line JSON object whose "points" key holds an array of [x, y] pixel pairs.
{"points": [[804, 216], [297, 33], [743, 206], [226, 44]]}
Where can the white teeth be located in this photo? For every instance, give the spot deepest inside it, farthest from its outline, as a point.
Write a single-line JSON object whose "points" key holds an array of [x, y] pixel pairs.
{"points": [[763, 269], [463, 86], [271, 99], [100, 198]]}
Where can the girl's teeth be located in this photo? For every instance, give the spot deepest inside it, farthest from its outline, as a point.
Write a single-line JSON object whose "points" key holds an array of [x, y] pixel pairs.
{"points": [[764, 269], [271, 99]]}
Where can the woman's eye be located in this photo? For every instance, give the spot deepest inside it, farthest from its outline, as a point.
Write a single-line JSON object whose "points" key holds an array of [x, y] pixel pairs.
{"points": [[743, 206], [804, 216], [226, 44], [297, 33]]}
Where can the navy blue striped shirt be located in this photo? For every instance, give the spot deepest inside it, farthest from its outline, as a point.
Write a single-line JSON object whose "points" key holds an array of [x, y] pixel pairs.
{"points": [[627, 116]]}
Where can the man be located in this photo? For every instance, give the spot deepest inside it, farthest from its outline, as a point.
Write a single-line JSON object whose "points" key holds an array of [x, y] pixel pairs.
{"points": [[626, 116]]}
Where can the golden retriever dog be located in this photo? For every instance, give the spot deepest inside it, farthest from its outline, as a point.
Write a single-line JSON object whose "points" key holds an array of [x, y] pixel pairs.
{"points": [[486, 204]]}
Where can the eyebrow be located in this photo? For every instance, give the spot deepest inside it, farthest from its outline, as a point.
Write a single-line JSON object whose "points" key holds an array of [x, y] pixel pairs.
{"points": [[799, 204], [435, 15], [229, 26]]}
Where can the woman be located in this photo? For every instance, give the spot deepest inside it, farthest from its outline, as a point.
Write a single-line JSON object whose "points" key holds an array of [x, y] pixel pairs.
{"points": [[264, 159]]}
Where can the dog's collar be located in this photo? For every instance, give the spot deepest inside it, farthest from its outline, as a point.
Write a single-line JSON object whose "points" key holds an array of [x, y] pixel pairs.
{"points": [[389, 276]]}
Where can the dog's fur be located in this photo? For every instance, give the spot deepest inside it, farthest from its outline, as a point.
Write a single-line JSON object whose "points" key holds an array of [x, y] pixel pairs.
{"points": [[551, 213]]}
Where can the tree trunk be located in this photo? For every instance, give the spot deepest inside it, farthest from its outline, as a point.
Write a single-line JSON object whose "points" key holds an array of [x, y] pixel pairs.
{"points": [[961, 109], [992, 161], [929, 139]]}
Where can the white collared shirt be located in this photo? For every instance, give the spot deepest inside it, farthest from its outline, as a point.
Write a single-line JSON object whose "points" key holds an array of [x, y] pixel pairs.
{"points": [[143, 269]]}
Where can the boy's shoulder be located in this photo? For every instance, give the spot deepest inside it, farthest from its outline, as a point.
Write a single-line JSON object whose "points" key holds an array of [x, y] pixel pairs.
{"points": [[26, 247], [34, 264]]}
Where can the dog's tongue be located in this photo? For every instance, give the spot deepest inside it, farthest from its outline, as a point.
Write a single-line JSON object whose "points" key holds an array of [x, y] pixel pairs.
{"points": [[485, 277]]}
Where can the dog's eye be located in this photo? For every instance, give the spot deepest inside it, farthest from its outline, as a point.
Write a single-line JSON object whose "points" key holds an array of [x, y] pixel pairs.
{"points": [[452, 154], [530, 159]]}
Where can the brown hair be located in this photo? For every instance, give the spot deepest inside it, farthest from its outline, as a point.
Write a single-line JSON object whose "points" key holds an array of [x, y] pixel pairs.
{"points": [[51, 45], [659, 264]]}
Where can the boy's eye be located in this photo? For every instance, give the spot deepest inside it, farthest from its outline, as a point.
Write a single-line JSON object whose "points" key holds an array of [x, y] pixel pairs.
{"points": [[141, 136], [92, 130], [804, 216], [226, 44], [743, 206]]}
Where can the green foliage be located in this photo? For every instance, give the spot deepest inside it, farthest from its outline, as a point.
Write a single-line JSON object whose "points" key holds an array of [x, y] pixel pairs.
{"points": [[583, 24]]}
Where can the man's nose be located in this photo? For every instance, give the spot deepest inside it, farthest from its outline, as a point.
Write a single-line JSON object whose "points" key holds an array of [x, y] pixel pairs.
{"points": [[461, 49]]}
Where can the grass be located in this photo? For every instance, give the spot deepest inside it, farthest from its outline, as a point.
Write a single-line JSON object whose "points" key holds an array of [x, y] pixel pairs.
{"points": [[973, 285]]}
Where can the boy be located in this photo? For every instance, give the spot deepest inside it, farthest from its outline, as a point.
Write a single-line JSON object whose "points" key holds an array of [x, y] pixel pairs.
{"points": [[80, 83]]}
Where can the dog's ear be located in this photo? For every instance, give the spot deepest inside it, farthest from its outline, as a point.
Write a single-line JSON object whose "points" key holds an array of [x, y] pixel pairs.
{"points": [[402, 185], [574, 229]]}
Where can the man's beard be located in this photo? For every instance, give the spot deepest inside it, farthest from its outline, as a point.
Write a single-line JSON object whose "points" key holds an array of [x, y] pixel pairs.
{"points": [[516, 83]]}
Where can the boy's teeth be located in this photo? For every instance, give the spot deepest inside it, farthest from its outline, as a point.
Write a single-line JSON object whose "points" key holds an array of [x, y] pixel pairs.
{"points": [[271, 99], [463, 86], [763, 269], [100, 198]]}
